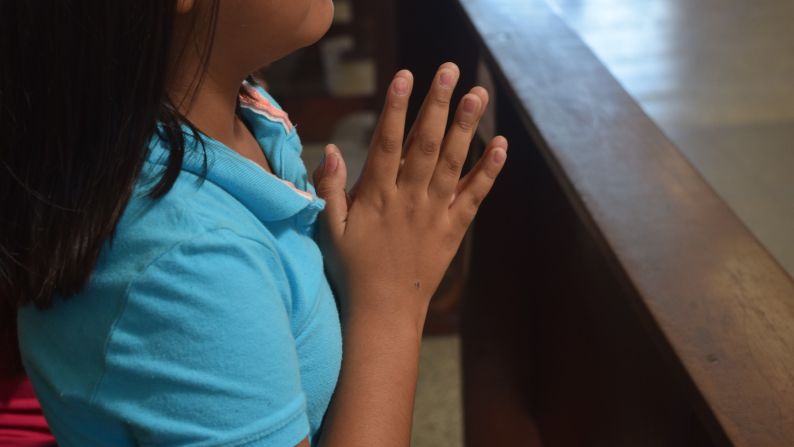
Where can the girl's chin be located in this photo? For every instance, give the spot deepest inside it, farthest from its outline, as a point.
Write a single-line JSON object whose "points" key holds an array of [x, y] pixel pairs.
{"points": [[328, 21]]}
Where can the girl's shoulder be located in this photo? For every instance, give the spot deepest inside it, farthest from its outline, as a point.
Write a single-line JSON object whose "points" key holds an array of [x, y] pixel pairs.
{"points": [[194, 207]]}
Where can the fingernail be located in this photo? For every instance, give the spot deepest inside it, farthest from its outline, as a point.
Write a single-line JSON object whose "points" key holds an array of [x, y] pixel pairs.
{"points": [[447, 79], [499, 156], [469, 105], [401, 86]]}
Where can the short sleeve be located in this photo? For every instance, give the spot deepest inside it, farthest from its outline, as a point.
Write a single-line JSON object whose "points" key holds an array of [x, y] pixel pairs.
{"points": [[203, 354]]}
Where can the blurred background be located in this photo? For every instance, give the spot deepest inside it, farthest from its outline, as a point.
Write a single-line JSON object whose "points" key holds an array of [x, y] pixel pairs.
{"points": [[718, 78], [715, 76]]}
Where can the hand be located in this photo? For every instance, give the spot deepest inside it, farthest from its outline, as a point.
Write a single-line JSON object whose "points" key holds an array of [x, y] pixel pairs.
{"points": [[396, 235]]}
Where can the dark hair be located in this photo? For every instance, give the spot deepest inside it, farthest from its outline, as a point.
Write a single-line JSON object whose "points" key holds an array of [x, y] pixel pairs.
{"points": [[82, 89]]}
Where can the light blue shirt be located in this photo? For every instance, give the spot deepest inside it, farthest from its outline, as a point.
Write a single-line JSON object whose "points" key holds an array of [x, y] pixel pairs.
{"points": [[208, 321]]}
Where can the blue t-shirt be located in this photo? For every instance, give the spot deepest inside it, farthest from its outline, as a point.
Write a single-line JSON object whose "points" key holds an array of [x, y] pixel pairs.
{"points": [[208, 320]]}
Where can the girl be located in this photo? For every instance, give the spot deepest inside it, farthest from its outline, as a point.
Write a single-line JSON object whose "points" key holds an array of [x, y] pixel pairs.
{"points": [[157, 229]]}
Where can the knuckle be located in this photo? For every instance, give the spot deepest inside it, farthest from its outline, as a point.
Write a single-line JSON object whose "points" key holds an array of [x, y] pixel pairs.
{"points": [[453, 165], [464, 125], [465, 218], [396, 104], [491, 175], [388, 144], [475, 201], [324, 189], [378, 203], [429, 146], [441, 99]]}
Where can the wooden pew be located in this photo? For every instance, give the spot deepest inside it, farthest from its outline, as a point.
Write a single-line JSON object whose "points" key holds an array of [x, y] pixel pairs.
{"points": [[614, 299]]}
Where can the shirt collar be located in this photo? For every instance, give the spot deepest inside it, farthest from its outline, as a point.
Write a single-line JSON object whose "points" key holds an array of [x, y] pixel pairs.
{"points": [[269, 197]]}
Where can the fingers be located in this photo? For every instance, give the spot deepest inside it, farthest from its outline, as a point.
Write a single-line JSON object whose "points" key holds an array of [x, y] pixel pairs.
{"points": [[383, 160], [330, 181], [498, 141], [476, 185], [457, 143], [427, 133]]}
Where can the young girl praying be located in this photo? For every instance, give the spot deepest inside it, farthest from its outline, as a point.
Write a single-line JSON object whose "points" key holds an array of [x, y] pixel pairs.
{"points": [[158, 231]]}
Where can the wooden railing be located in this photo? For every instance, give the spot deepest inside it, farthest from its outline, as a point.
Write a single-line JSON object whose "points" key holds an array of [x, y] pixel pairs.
{"points": [[614, 298]]}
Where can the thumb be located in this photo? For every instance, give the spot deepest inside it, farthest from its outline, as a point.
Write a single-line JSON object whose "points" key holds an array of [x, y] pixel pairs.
{"points": [[331, 178]]}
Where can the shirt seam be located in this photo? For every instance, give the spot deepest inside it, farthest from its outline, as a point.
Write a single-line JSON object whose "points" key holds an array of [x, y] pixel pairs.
{"points": [[118, 317]]}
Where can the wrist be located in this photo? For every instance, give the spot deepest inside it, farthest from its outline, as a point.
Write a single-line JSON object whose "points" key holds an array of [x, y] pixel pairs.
{"points": [[378, 377], [383, 311]]}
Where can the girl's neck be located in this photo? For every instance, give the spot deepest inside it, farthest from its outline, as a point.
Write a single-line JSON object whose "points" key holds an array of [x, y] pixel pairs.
{"points": [[213, 109]]}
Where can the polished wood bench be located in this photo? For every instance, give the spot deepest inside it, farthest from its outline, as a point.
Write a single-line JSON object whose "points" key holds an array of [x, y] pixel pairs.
{"points": [[614, 299]]}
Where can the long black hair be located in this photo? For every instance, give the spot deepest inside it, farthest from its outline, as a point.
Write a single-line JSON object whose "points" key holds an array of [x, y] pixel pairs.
{"points": [[82, 90]]}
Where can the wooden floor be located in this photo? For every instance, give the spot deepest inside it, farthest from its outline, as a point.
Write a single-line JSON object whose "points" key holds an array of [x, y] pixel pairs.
{"points": [[717, 76]]}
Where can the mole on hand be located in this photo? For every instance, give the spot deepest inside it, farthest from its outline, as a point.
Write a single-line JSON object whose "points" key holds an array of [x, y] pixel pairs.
{"points": [[417, 285]]}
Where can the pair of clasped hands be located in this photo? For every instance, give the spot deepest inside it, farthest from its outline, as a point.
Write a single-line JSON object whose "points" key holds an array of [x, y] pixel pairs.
{"points": [[398, 229]]}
